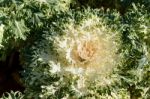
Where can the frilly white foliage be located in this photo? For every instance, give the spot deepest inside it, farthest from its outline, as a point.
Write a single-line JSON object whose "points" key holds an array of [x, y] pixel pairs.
{"points": [[78, 51], [88, 46], [87, 51], [1, 33]]}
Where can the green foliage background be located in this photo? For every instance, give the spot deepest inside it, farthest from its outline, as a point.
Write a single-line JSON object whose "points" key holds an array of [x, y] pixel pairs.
{"points": [[25, 25]]}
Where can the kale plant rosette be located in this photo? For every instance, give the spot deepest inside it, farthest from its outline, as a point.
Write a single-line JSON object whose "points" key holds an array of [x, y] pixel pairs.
{"points": [[19, 19], [78, 52], [134, 71]]}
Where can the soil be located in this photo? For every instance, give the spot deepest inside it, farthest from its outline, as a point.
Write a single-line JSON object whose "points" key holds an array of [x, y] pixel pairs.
{"points": [[10, 78]]}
